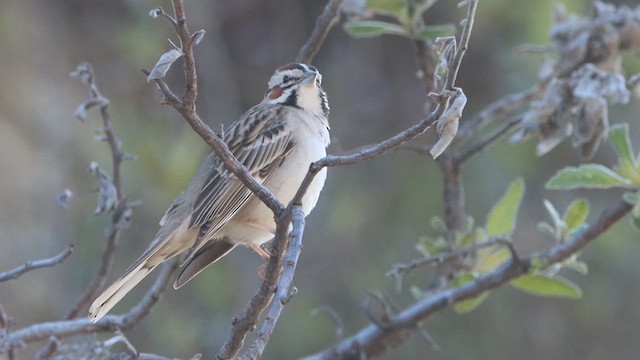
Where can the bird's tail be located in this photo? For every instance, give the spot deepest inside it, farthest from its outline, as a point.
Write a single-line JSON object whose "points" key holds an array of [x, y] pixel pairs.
{"points": [[110, 297]]}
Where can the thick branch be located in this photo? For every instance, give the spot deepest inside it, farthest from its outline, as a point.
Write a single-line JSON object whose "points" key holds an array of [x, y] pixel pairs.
{"points": [[284, 290], [325, 22], [109, 323], [36, 264], [372, 340], [246, 322]]}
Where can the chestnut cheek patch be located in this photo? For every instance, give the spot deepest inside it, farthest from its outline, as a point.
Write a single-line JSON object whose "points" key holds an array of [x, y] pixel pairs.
{"points": [[275, 93]]}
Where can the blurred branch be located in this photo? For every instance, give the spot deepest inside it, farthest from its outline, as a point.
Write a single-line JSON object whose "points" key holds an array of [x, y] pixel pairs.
{"points": [[454, 67], [373, 340], [324, 23], [110, 323], [122, 212], [426, 63], [483, 144], [399, 270], [36, 264]]}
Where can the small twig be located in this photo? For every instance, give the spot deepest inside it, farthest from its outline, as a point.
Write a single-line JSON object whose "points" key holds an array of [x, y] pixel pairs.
{"points": [[324, 23], [109, 323], [454, 67], [5, 325], [159, 11], [483, 144], [334, 316], [36, 264], [48, 351], [398, 270]]}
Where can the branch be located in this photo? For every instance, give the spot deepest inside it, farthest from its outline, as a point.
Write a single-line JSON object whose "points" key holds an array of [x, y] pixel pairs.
{"points": [[367, 153], [372, 340], [36, 264], [284, 291], [122, 212], [324, 23], [454, 67], [497, 135], [398, 270], [110, 323], [187, 108]]}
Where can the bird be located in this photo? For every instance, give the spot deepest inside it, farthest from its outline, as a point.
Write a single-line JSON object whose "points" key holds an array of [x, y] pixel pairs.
{"points": [[276, 140]]}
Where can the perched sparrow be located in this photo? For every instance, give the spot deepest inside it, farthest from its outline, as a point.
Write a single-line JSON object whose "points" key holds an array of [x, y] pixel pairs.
{"points": [[276, 141]]}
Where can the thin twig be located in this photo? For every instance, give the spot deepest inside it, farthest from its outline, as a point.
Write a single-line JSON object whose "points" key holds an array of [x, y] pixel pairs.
{"points": [[324, 23], [109, 323], [482, 145], [372, 340], [36, 264], [402, 269], [454, 67]]}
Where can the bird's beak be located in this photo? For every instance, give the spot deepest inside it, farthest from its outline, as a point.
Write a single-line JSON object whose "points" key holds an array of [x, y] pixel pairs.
{"points": [[309, 78]]}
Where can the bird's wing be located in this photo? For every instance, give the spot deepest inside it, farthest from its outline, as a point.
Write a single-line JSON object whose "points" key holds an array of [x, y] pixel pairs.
{"points": [[260, 141]]}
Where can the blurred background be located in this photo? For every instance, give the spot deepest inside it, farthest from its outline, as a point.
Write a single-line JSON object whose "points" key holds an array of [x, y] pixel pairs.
{"points": [[370, 215]]}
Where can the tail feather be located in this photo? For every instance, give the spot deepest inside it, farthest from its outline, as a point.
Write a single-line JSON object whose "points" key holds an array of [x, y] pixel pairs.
{"points": [[110, 297]]}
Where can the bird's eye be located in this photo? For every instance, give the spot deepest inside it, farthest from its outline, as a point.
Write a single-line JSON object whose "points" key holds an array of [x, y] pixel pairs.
{"points": [[286, 78]]}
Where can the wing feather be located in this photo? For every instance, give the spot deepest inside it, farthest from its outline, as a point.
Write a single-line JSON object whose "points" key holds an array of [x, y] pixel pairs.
{"points": [[258, 140]]}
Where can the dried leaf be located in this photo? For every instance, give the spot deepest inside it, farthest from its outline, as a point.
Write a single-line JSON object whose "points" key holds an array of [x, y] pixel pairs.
{"points": [[156, 12], [164, 63], [63, 198], [107, 194], [447, 127], [197, 36]]}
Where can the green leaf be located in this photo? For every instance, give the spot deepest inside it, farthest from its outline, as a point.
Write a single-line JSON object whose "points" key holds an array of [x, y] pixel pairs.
{"points": [[589, 176], [579, 266], [369, 28], [396, 8], [543, 285], [630, 198], [619, 137], [502, 217], [546, 229], [417, 293], [434, 31], [635, 222], [468, 305], [491, 258], [576, 213]]}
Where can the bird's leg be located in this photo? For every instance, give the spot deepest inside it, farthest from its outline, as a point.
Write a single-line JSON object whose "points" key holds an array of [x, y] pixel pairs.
{"points": [[264, 254]]}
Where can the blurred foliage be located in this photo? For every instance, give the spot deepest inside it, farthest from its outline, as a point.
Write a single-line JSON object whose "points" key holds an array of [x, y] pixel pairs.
{"points": [[370, 215]]}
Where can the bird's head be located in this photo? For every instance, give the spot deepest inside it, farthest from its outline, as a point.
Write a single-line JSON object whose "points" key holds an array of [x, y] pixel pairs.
{"points": [[298, 85]]}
